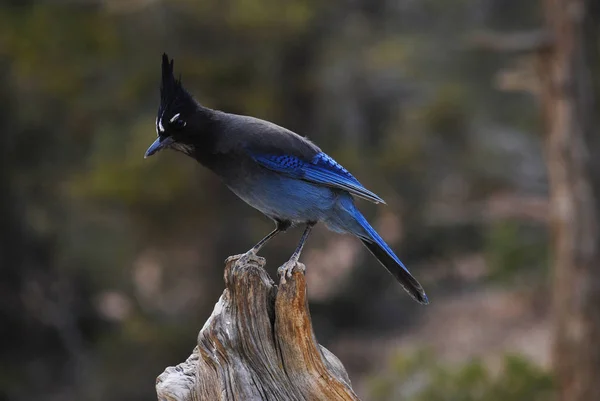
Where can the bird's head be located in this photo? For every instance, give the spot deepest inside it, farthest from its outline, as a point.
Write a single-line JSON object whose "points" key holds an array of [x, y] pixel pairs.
{"points": [[177, 114]]}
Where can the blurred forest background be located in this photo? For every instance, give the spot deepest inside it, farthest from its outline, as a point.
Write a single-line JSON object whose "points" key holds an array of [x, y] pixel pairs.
{"points": [[111, 263]]}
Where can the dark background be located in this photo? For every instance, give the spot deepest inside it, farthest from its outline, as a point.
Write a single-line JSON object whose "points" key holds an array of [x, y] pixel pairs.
{"points": [[111, 263]]}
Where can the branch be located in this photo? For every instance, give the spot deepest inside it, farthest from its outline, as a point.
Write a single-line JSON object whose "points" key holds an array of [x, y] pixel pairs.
{"points": [[258, 344], [517, 42]]}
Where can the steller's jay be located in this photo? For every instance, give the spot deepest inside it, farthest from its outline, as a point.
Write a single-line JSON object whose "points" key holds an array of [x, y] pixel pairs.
{"points": [[283, 175]]}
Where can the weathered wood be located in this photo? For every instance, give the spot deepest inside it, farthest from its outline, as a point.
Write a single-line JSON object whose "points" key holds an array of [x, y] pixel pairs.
{"points": [[258, 344]]}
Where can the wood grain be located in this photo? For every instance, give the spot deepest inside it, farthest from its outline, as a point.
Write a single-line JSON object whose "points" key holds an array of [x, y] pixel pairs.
{"points": [[258, 344]]}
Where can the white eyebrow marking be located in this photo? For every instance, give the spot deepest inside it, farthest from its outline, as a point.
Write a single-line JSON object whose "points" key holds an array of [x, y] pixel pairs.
{"points": [[160, 126], [175, 117]]}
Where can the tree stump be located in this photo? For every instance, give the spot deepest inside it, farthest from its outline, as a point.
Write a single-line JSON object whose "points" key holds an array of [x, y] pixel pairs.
{"points": [[258, 344]]}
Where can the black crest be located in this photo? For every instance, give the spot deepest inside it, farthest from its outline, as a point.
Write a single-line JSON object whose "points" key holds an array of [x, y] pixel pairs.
{"points": [[173, 96], [169, 86]]}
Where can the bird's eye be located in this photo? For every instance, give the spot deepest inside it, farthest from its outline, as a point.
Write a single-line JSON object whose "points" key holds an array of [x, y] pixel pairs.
{"points": [[177, 122]]}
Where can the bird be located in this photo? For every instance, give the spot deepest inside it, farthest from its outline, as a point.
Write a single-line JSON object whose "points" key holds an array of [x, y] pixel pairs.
{"points": [[278, 172]]}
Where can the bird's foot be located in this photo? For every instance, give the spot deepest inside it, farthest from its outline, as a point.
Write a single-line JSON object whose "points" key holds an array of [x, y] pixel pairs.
{"points": [[285, 271], [247, 257]]}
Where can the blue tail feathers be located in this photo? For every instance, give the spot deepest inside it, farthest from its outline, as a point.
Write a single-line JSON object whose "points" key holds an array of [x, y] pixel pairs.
{"points": [[377, 246]]}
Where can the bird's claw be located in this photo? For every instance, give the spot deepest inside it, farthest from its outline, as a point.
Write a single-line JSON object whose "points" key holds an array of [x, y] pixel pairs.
{"points": [[245, 258], [286, 270]]}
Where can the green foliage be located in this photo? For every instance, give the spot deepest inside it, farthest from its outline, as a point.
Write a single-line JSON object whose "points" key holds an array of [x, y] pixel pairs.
{"points": [[446, 114], [514, 247], [422, 377]]}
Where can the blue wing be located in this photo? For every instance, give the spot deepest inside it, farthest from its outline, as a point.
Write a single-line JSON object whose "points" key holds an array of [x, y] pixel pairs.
{"points": [[322, 169]]}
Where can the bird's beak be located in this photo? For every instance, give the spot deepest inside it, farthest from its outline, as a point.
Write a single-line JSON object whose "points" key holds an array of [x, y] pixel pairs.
{"points": [[158, 145]]}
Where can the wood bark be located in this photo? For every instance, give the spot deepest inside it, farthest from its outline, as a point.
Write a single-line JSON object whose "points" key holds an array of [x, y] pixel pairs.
{"points": [[572, 149], [258, 344]]}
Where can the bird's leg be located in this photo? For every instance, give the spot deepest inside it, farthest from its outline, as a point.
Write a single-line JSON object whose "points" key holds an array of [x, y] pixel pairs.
{"points": [[253, 252], [286, 269], [280, 227]]}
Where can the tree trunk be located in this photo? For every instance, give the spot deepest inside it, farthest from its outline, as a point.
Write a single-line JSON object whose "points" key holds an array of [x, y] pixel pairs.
{"points": [[565, 53], [258, 344], [572, 152]]}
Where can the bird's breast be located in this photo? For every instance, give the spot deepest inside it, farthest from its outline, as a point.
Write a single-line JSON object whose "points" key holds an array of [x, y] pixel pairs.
{"points": [[282, 197]]}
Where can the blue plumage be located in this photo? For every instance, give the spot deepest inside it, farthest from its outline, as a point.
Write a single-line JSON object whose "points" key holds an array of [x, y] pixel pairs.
{"points": [[326, 161], [281, 174], [321, 169]]}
